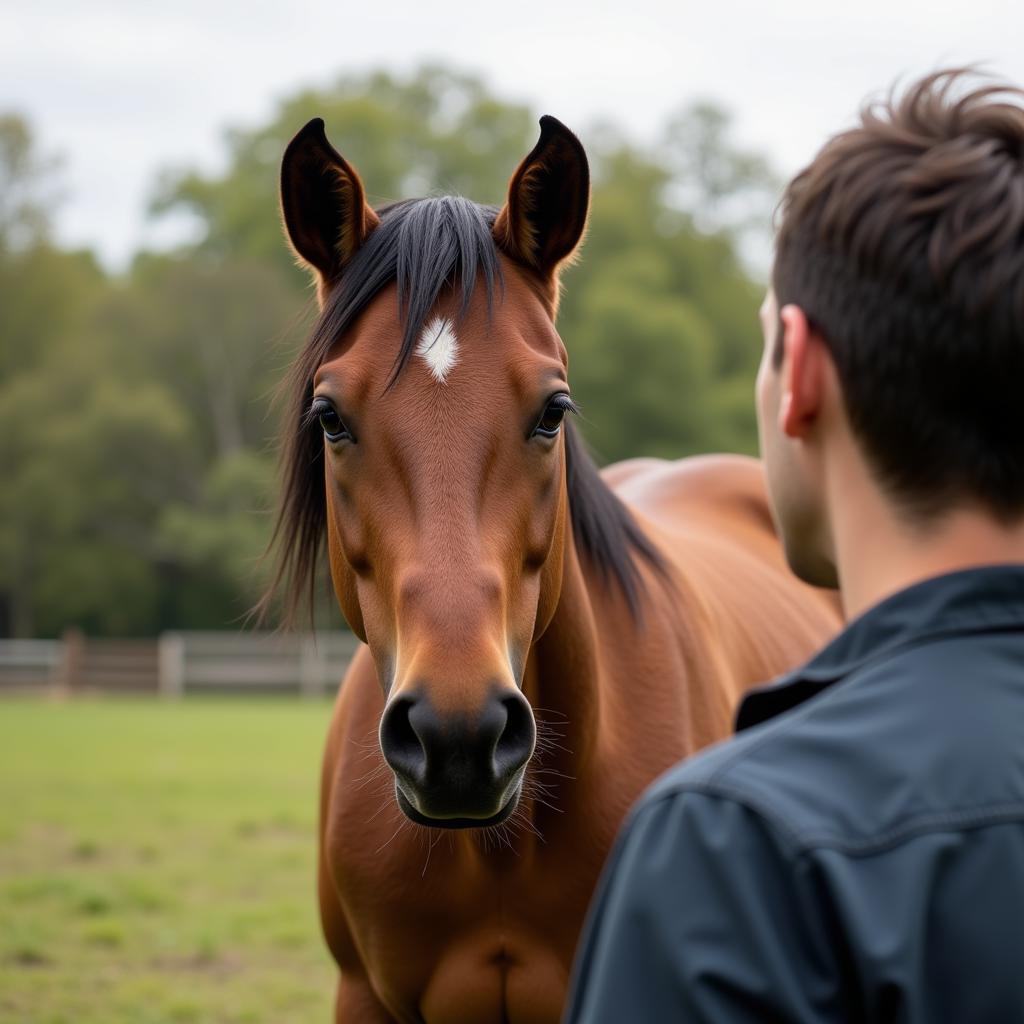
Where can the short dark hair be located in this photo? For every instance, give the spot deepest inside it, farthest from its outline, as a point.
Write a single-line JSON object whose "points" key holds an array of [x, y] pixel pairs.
{"points": [[903, 243]]}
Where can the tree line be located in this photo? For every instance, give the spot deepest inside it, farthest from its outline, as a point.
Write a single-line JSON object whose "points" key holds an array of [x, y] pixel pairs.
{"points": [[137, 424]]}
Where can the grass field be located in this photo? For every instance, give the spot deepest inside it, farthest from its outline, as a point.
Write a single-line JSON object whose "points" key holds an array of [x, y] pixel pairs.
{"points": [[157, 862]]}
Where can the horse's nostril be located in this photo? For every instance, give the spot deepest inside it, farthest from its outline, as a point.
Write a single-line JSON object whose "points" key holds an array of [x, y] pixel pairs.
{"points": [[516, 742], [458, 766], [399, 742]]}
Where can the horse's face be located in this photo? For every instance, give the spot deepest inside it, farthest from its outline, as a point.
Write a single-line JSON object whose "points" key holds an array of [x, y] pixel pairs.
{"points": [[445, 520], [446, 504]]}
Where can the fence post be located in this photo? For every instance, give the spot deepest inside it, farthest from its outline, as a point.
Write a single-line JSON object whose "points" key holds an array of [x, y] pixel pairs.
{"points": [[171, 667], [311, 667], [55, 675], [72, 651]]}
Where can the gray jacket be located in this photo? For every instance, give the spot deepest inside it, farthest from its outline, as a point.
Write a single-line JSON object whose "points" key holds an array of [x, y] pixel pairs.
{"points": [[857, 854]]}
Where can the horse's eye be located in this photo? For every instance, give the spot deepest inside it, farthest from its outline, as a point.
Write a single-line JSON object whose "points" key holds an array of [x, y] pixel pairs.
{"points": [[551, 420], [333, 425]]}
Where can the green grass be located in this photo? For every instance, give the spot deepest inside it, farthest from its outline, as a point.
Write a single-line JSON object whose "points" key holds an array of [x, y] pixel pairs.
{"points": [[157, 862]]}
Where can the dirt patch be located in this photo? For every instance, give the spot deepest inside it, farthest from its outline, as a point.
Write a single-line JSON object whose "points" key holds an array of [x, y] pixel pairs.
{"points": [[220, 965], [30, 958]]}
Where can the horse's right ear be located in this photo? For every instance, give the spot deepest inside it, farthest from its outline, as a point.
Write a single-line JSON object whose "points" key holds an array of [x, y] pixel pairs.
{"points": [[324, 206], [544, 218]]}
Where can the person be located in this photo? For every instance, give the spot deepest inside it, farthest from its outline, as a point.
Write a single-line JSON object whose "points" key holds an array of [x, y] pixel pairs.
{"points": [[857, 852]]}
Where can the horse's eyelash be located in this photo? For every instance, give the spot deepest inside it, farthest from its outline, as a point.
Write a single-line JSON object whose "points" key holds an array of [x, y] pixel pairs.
{"points": [[316, 407]]}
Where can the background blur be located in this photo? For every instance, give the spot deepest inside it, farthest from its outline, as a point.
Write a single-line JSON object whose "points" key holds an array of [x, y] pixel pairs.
{"points": [[148, 304], [156, 858]]}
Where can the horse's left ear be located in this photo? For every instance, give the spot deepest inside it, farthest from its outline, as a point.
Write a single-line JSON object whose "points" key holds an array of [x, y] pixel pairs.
{"points": [[544, 218], [324, 206]]}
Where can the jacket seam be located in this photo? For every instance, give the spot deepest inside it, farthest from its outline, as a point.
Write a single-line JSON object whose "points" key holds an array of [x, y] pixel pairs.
{"points": [[937, 821], [803, 842], [789, 836]]}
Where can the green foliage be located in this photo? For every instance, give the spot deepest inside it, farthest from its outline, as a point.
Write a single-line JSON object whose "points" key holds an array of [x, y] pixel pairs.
{"points": [[219, 539], [84, 488], [136, 421], [726, 186], [219, 336], [45, 295], [660, 322], [24, 186]]}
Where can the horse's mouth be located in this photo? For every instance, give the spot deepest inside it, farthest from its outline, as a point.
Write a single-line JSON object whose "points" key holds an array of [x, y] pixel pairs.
{"points": [[458, 822]]}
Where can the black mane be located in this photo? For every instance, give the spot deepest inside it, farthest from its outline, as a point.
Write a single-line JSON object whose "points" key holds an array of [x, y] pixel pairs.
{"points": [[426, 246]]}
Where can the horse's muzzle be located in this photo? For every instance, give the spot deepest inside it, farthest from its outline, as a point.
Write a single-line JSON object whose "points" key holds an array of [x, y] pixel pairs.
{"points": [[453, 771]]}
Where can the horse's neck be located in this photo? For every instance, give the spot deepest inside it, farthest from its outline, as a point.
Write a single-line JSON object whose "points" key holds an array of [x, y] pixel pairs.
{"points": [[582, 674], [563, 672]]}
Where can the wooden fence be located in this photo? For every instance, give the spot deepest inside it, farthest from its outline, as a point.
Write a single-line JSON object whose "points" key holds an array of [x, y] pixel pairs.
{"points": [[176, 664], [29, 664]]}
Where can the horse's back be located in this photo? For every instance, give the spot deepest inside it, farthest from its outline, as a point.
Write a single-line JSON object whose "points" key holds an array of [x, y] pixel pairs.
{"points": [[726, 491], [710, 518]]}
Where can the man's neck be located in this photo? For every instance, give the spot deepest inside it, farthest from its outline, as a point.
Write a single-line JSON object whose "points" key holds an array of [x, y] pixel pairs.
{"points": [[879, 552]]}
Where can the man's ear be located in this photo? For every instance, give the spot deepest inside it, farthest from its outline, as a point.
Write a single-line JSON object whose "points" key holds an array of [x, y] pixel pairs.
{"points": [[324, 206], [545, 215], [803, 373]]}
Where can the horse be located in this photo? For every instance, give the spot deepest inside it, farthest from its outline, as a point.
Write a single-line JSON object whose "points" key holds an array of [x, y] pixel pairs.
{"points": [[541, 639]]}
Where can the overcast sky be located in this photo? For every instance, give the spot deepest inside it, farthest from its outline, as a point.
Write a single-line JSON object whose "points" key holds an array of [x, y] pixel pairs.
{"points": [[123, 88]]}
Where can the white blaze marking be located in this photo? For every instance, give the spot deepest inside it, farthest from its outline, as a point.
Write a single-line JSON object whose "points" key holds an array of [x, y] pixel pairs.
{"points": [[439, 347]]}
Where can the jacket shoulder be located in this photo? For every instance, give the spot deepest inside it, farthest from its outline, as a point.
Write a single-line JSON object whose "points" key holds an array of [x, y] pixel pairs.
{"points": [[929, 735]]}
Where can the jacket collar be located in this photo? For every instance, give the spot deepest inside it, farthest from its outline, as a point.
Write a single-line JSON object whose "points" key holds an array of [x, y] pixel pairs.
{"points": [[979, 600]]}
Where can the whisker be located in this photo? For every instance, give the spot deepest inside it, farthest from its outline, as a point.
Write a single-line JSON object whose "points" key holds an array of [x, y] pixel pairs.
{"points": [[550, 711], [553, 771], [377, 772], [383, 807], [430, 849], [523, 819], [401, 825], [557, 810]]}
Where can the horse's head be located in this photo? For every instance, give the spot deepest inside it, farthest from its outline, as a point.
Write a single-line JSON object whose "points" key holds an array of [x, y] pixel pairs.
{"points": [[427, 444]]}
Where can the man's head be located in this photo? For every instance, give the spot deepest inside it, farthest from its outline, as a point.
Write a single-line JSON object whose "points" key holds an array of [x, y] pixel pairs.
{"points": [[894, 329]]}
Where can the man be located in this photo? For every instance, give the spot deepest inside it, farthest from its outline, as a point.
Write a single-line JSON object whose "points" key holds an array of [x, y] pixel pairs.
{"points": [[857, 853]]}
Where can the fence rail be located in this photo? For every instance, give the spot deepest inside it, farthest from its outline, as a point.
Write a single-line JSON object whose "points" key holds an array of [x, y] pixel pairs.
{"points": [[180, 663], [29, 663]]}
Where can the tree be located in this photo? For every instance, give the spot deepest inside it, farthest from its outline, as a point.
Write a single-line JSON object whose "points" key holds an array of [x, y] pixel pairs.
{"points": [[215, 542], [136, 416], [88, 466], [43, 290], [433, 130], [218, 335], [25, 186], [659, 319], [724, 186], [46, 294]]}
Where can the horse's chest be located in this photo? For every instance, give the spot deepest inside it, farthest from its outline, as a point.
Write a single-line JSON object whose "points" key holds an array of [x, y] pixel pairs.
{"points": [[450, 931], [505, 982]]}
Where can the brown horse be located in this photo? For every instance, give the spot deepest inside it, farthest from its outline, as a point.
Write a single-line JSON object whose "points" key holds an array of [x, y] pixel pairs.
{"points": [[541, 642]]}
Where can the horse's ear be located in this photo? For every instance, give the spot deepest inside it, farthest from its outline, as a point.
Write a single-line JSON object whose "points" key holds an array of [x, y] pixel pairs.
{"points": [[545, 215], [323, 203]]}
